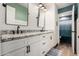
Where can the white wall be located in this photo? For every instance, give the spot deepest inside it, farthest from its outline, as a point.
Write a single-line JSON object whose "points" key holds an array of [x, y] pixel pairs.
{"points": [[3, 26], [51, 19], [32, 21]]}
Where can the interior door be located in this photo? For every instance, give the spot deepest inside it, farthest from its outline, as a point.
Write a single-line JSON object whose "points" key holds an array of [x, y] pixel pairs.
{"points": [[0, 49], [73, 28]]}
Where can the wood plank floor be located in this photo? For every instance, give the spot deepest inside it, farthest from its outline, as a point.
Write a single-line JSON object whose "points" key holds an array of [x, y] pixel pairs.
{"points": [[66, 49]]}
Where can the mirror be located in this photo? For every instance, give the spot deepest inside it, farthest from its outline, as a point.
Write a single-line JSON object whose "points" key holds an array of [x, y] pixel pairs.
{"points": [[41, 15], [16, 13], [42, 19]]}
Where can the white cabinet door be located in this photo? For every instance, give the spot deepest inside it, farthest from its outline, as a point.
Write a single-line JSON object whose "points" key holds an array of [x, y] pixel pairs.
{"points": [[47, 43], [45, 47], [12, 45], [53, 41], [35, 46], [18, 52], [48, 39], [35, 49]]}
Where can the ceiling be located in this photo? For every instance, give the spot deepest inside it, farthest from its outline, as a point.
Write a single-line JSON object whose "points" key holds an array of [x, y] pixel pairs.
{"points": [[48, 5], [59, 5]]}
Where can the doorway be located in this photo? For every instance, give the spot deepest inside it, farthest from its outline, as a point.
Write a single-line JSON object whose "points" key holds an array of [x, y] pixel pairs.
{"points": [[67, 28], [65, 31], [65, 24]]}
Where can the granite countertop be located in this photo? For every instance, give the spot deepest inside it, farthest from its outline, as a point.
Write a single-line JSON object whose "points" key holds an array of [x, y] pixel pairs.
{"points": [[10, 37]]}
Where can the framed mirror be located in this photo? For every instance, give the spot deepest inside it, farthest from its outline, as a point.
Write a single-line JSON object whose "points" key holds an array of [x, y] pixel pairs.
{"points": [[16, 14], [42, 19]]}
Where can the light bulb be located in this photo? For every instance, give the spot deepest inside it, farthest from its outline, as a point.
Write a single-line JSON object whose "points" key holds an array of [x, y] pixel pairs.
{"points": [[40, 5], [45, 9]]}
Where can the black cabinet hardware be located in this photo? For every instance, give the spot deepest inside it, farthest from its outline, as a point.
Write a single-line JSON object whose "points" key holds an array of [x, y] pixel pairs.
{"points": [[43, 36], [28, 49], [43, 52], [50, 37], [44, 43]]}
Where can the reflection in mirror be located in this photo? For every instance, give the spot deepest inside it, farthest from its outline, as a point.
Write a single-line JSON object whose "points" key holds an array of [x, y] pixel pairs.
{"points": [[41, 19], [41, 16], [16, 13]]}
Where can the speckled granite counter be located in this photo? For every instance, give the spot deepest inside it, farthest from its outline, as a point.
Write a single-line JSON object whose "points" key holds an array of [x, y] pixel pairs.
{"points": [[10, 37]]}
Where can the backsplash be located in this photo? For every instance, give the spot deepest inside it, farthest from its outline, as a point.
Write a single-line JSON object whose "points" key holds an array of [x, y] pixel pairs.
{"points": [[15, 31]]}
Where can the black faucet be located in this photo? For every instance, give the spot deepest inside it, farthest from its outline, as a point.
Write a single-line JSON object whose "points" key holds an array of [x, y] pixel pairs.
{"points": [[18, 29]]}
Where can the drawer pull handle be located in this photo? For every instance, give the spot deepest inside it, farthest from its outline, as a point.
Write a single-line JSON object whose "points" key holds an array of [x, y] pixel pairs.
{"points": [[44, 43], [28, 49], [50, 37], [43, 36], [43, 52]]}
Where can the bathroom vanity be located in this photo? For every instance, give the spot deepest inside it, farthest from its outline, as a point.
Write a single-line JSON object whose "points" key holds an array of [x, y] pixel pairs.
{"points": [[27, 44]]}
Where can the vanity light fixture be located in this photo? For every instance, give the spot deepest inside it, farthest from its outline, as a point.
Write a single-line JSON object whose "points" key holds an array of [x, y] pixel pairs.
{"points": [[4, 4], [45, 9], [40, 5]]}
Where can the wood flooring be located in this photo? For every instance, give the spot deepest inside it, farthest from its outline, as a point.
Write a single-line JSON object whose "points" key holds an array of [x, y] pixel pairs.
{"points": [[66, 49]]}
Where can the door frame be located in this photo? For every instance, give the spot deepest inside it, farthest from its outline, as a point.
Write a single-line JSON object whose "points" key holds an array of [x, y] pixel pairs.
{"points": [[73, 29], [75, 14]]}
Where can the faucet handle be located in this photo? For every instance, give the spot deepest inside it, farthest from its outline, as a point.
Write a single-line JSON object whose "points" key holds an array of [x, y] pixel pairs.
{"points": [[13, 32], [18, 29], [18, 26]]}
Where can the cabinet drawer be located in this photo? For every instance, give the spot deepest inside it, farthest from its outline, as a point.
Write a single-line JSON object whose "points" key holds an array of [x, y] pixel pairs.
{"points": [[32, 40], [46, 36], [19, 52], [46, 43], [12, 45], [45, 48]]}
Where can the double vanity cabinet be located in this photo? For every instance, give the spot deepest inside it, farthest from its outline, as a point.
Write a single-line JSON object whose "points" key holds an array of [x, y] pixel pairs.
{"points": [[32, 45]]}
